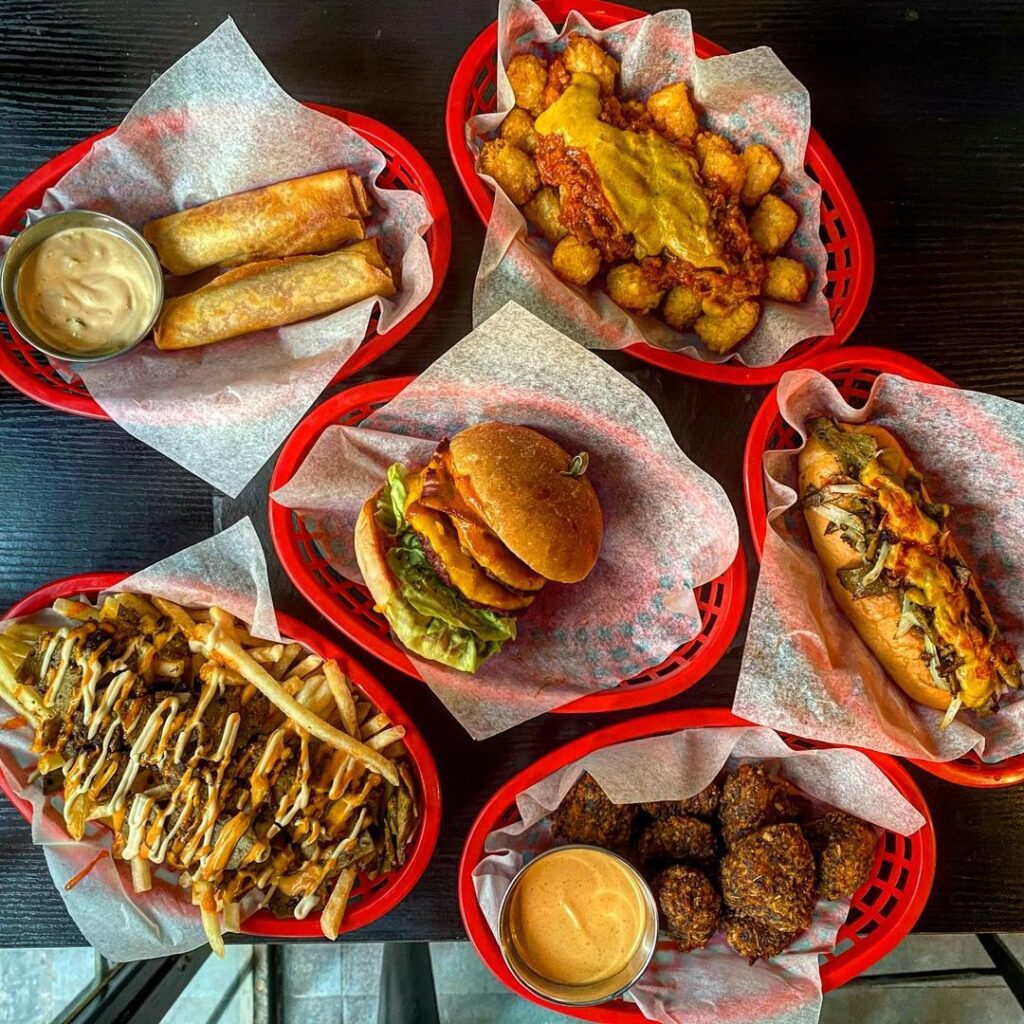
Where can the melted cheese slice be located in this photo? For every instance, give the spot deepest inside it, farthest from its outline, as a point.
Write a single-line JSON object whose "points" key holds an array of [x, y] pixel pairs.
{"points": [[465, 574]]}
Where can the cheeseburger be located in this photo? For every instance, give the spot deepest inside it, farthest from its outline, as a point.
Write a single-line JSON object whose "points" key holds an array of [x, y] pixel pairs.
{"points": [[453, 552]]}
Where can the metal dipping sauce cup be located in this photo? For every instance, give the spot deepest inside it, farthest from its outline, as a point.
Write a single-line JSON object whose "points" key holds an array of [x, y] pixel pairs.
{"points": [[595, 992], [42, 229]]}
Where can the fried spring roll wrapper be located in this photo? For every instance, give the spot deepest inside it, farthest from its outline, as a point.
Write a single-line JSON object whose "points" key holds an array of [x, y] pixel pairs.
{"points": [[305, 215], [273, 293]]}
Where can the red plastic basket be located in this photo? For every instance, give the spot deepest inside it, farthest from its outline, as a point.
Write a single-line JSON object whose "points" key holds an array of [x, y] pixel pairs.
{"points": [[370, 899], [349, 606], [853, 372], [844, 228], [882, 912], [28, 370]]}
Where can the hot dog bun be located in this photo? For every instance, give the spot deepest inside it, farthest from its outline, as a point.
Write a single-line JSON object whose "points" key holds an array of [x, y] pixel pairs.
{"points": [[875, 618]]}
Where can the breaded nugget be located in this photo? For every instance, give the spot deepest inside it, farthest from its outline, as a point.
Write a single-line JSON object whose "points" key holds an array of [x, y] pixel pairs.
{"points": [[628, 287], [513, 170], [681, 838], [575, 261], [586, 815], [751, 799], [844, 848], [517, 130], [583, 55], [690, 907], [528, 75], [769, 877], [671, 110], [755, 940], [701, 805]]}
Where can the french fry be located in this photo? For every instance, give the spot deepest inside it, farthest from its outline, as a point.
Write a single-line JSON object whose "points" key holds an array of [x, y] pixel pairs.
{"points": [[203, 892], [334, 912], [342, 697], [235, 658], [232, 917], [304, 667], [77, 610], [384, 739], [142, 879]]}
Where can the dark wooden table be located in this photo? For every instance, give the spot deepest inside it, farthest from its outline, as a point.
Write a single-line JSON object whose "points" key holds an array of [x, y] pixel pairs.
{"points": [[921, 102]]}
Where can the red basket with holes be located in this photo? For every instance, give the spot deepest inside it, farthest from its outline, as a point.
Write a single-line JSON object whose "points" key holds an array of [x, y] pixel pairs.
{"points": [[349, 606], [844, 228], [882, 912], [853, 372], [370, 899], [30, 372]]}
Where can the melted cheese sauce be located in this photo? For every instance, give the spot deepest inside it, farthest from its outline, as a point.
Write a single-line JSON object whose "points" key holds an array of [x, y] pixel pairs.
{"points": [[652, 185], [86, 291], [577, 916]]}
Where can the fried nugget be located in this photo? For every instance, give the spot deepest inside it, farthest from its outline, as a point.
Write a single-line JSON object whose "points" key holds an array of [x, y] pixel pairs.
{"points": [[754, 940], [844, 848], [701, 805], [769, 877], [690, 907], [681, 838], [586, 815], [751, 799]]}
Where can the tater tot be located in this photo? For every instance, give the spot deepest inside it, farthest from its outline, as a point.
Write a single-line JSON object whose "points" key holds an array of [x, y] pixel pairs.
{"points": [[584, 55], [772, 223], [671, 110], [682, 307], [517, 130], [575, 262], [763, 170], [527, 75], [720, 164], [721, 333], [787, 281], [511, 168], [543, 210], [629, 288]]}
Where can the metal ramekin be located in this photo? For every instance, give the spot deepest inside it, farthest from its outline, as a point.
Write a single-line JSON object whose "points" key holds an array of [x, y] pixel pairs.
{"points": [[580, 995], [42, 229]]}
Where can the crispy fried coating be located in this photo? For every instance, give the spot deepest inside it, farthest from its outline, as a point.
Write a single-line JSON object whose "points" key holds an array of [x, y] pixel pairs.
{"points": [[755, 940], [722, 332], [630, 288], [844, 848], [575, 262], [517, 130], [586, 815], [583, 55], [763, 170], [543, 210], [682, 838], [682, 307], [690, 907], [773, 223], [769, 877], [720, 164], [752, 799], [511, 168], [701, 805], [672, 112], [787, 281], [528, 75]]}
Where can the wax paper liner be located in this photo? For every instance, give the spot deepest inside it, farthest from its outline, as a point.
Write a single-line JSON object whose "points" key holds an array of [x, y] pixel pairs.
{"points": [[711, 985], [217, 123], [747, 97], [805, 670], [228, 570], [668, 526]]}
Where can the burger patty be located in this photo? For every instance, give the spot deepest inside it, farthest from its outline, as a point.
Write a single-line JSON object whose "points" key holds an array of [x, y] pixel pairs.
{"points": [[442, 573]]}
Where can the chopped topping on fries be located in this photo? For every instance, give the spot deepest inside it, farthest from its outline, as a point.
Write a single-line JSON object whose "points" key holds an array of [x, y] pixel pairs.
{"points": [[253, 770]]}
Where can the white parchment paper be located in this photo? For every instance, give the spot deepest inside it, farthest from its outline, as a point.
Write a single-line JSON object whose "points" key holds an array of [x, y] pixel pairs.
{"points": [[668, 526], [748, 97], [711, 985], [229, 570], [805, 669], [217, 123]]}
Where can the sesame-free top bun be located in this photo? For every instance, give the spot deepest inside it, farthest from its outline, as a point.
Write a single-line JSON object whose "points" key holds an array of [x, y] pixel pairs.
{"points": [[550, 521]]}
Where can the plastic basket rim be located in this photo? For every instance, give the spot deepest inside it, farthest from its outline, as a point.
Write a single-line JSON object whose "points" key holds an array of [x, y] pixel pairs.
{"points": [[376, 904], [834, 973], [616, 698], [859, 238], [438, 237], [975, 772]]}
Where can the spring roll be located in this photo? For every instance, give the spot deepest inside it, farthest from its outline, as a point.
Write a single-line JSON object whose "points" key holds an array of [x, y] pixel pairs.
{"points": [[314, 214], [272, 293]]}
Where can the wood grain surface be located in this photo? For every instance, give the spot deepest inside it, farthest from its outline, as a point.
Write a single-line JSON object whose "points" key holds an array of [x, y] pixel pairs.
{"points": [[921, 102]]}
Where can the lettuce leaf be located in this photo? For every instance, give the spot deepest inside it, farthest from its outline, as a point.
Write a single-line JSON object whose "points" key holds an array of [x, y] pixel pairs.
{"points": [[428, 616]]}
